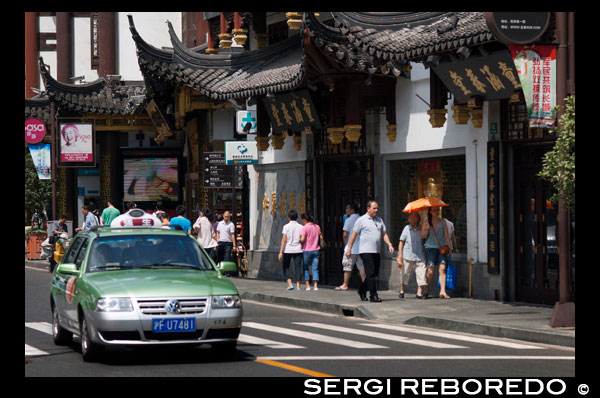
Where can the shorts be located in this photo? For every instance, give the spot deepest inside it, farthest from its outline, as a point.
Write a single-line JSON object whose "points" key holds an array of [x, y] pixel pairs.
{"points": [[433, 257], [354, 259], [408, 266]]}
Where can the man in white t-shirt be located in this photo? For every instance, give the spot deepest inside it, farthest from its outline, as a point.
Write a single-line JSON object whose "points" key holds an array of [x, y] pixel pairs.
{"points": [[291, 249], [225, 237], [348, 262]]}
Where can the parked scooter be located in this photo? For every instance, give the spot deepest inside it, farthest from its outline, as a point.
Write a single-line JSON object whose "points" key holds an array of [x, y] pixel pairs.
{"points": [[60, 247]]}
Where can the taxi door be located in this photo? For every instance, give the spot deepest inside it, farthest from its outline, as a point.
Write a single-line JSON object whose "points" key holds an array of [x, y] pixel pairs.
{"points": [[65, 284]]}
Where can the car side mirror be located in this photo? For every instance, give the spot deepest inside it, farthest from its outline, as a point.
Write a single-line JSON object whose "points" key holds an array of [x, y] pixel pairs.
{"points": [[68, 268]]}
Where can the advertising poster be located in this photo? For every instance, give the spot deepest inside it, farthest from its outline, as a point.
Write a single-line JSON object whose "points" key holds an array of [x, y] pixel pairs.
{"points": [[536, 67], [40, 153], [76, 143], [150, 179]]}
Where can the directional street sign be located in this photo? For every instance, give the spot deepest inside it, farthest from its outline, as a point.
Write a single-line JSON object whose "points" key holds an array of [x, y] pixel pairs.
{"points": [[219, 175]]}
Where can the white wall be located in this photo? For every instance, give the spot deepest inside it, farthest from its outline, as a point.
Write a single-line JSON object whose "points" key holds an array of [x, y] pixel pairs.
{"points": [[153, 28], [416, 138]]}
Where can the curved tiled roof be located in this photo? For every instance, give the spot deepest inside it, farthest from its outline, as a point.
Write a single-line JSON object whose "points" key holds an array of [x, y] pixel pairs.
{"points": [[368, 40], [223, 76], [94, 97], [38, 107]]}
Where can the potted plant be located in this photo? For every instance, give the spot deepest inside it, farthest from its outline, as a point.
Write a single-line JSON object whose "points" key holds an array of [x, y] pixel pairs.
{"points": [[34, 238]]}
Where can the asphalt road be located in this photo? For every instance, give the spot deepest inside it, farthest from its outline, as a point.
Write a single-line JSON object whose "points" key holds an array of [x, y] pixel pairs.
{"points": [[283, 342]]}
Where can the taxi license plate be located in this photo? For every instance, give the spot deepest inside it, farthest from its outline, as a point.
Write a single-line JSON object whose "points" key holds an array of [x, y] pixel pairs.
{"points": [[169, 325]]}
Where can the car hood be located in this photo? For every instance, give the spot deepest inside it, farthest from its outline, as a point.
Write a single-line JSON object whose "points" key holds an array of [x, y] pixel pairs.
{"points": [[159, 283]]}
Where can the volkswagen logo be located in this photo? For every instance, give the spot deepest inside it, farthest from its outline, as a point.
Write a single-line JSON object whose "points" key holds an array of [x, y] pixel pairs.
{"points": [[173, 307]]}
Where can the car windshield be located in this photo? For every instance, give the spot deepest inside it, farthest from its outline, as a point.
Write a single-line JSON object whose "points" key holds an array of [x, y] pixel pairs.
{"points": [[148, 251]]}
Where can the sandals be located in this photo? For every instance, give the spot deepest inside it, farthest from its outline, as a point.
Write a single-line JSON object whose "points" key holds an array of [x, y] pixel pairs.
{"points": [[444, 296], [340, 288]]}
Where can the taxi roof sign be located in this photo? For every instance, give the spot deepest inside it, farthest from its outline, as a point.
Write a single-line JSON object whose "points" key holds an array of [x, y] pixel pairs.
{"points": [[136, 218]]}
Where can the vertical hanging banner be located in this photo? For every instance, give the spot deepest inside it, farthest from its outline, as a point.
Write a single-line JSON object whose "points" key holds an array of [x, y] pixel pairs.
{"points": [[493, 219], [536, 67], [40, 153]]}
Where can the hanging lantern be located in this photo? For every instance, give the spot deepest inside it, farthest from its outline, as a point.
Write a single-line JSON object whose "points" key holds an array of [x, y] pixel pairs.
{"points": [[437, 117], [353, 132], [262, 143], [277, 141], [294, 20], [391, 134], [336, 134], [461, 114], [240, 36]]}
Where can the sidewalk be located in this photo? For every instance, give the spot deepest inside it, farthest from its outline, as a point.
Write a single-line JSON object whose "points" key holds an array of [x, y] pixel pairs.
{"points": [[518, 321]]}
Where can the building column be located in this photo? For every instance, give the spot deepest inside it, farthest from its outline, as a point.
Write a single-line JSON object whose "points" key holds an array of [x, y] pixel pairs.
{"points": [[32, 51], [107, 43]]}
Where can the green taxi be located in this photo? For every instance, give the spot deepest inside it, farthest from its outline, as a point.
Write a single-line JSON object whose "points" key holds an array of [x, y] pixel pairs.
{"points": [[132, 286]]}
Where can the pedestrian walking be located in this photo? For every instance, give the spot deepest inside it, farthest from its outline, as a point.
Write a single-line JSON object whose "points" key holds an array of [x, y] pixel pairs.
{"points": [[349, 262], [90, 219], [291, 249], [309, 237], [158, 208], [164, 218], [371, 230], [180, 220], [206, 235], [109, 213], [411, 255], [435, 234], [225, 237]]}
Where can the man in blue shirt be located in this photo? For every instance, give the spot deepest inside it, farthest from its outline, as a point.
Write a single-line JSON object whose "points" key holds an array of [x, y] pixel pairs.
{"points": [[370, 229], [180, 220], [90, 219]]}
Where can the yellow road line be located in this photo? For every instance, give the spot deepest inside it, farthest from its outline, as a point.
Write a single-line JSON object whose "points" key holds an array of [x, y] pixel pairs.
{"points": [[293, 368]]}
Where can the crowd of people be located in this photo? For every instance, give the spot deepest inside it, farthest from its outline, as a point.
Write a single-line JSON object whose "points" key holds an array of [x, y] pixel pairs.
{"points": [[421, 247], [418, 250]]}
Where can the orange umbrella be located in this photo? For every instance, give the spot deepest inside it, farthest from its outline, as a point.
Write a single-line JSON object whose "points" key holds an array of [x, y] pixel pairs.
{"points": [[424, 203]]}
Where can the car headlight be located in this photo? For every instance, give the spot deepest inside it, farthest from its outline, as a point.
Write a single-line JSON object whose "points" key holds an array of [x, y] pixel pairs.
{"points": [[114, 304], [230, 301]]}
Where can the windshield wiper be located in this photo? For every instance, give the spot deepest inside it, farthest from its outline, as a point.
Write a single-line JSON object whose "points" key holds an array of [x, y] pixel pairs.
{"points": [[171, 265]]}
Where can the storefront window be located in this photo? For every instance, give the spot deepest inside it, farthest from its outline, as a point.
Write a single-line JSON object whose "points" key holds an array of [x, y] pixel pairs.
{"points": [[442, 177]]}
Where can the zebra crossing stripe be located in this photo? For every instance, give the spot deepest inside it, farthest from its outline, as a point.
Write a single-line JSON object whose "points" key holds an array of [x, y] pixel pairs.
{"points": [[311, 336], [244, 338], [32, 351], [383, 336], [43, 327], [472, 339]]}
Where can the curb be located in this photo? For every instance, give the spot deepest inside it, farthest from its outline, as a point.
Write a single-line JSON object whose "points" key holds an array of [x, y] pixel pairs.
{"points": [[534, 336], [360, 311]]}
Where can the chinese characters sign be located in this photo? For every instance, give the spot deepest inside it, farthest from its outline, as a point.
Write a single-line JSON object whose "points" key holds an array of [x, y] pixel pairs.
{"points": [[493, 224], [491, 77], [292, 112], [536, 66], [35, 131]]}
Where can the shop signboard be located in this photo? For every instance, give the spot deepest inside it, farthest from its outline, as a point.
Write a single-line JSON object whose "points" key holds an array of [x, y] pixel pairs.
{"points": [[242, 119], [493, 218], [40, 153], [35, 131], [76, 143], [291, 112], [517, 27], [490, 77], [241, 152], [536, 67]]}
